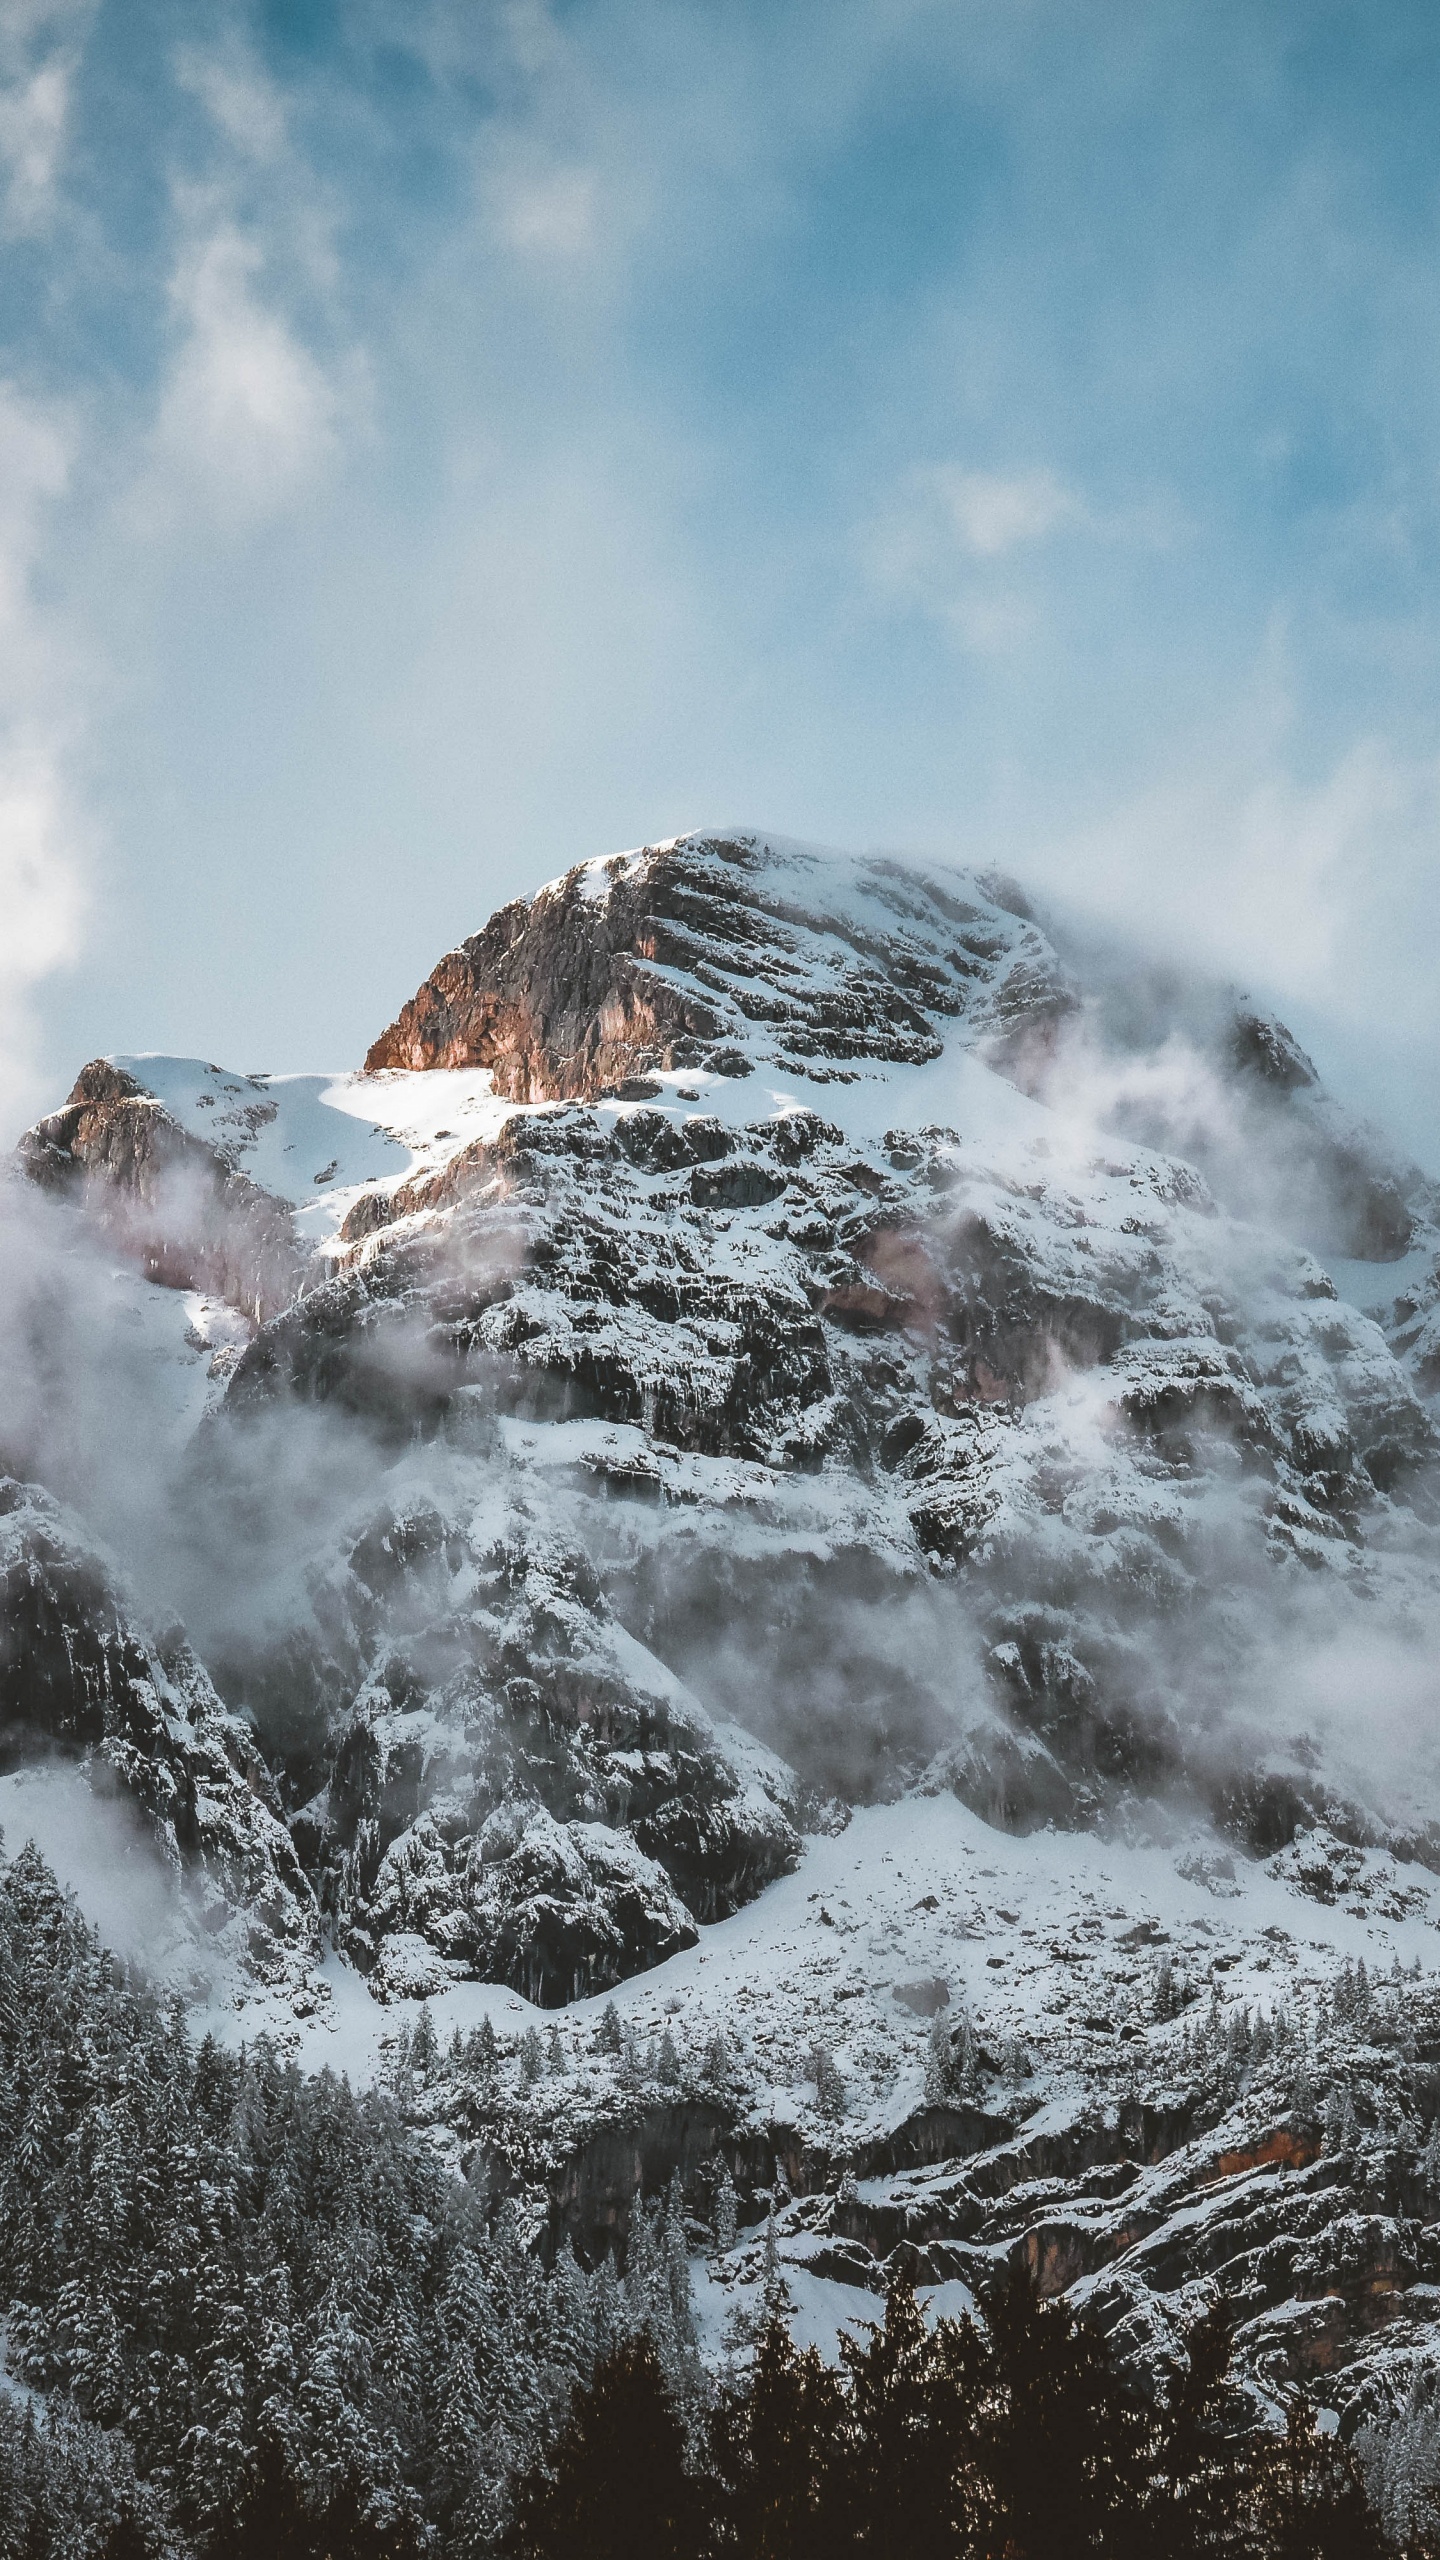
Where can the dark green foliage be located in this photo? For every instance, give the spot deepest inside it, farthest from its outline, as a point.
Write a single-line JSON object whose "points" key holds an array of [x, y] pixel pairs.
{"points": [[1013, 2441], [273, 2519], [1310, 2499], [778, 2452], [620, 2488], [265, 2323], [263, 2306]]}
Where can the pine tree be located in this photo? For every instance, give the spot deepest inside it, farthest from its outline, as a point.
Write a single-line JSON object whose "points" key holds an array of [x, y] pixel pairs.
{"points": [[1309, 2495], [912, 2485], [609, 2037], [424, 2045], [1199, 2463], [829, 2087], [619, 2488], [1065, 2446], [1341, 2130], [949, 2060], [777, 2446], [482, 2055], [724, 2215]]}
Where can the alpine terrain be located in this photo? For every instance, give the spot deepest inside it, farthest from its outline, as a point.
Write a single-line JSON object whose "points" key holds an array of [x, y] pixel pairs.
{"points": [[775, 1586]]}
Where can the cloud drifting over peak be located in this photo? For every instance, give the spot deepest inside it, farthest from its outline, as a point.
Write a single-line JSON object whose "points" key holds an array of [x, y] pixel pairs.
{"points": [[496, 436]]}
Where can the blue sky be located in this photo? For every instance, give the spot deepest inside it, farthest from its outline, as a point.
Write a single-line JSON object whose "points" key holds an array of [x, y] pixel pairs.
{"points": [[441, 442]]}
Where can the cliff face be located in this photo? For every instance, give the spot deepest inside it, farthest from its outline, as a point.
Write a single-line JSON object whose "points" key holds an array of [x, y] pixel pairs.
{"points": [[762, 1263], [707, 953], [82, 1681], [170, 1203]]}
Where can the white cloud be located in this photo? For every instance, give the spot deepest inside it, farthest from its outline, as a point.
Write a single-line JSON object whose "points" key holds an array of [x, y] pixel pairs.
{"points": [[41, 848], [40, 43], [947, 544], [246, 106], [247, 414], [993, 512], [1322, 889], [549, 212]]}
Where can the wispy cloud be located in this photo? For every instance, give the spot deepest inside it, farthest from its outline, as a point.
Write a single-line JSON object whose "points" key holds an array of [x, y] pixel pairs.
{"points": [[1319, 887], [247, 415], [40, 48], [993, 512], [41, 830], [951, 543]]}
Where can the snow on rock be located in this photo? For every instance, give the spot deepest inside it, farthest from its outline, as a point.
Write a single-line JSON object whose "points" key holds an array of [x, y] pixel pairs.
{"points": [[81, 1682], [508, 1774]]}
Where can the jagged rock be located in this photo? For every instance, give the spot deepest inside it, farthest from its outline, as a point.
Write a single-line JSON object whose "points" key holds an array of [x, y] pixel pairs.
{"points": [[994, 1358], [81, 1681], [168, 1201], [506, 1774], [679, 955]]}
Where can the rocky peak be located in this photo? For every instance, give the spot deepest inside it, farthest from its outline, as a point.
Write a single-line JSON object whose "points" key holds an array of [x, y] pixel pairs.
{"points": [[166, 1199], [713, 951]]}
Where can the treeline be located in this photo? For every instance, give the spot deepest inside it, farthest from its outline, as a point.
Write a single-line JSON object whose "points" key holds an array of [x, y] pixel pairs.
{"points": [[251, 2316], [1015, 2441], [238, 2281]]}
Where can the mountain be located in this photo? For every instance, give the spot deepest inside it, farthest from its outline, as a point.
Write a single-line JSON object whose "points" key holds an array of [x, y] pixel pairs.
{"points": [[805, 1449]]}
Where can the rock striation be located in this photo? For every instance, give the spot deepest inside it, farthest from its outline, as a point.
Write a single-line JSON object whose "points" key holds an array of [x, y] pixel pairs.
{"points": [[706, 952]]}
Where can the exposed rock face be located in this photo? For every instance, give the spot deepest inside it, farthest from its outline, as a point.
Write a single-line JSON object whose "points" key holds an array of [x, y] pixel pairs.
{"points": [[170, 1203], [511, 1780], [1081, 1390], [683, 954], [80, 1680]]}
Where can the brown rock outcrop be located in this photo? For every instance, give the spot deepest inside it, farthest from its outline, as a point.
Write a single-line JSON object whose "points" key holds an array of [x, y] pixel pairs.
{"points": [[579, 992], [168, 1201]]}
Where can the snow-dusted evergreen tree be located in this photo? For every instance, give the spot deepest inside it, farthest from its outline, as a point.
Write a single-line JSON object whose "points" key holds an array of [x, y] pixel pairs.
{"points": [[1402, 2466], [829, 2086], [717, 2064], [724, 2219], [424, 2046], [949, 2060]]}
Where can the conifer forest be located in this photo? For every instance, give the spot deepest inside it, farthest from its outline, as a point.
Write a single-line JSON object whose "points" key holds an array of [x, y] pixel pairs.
{"points": [[252, 2317]]}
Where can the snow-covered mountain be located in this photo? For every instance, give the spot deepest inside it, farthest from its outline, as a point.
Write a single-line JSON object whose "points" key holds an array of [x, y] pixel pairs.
{"points": [[801, 1449]]}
